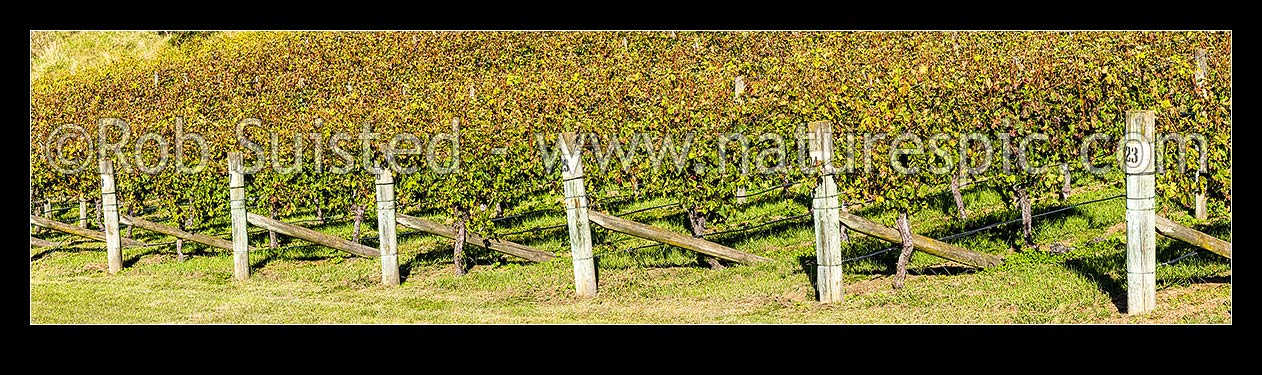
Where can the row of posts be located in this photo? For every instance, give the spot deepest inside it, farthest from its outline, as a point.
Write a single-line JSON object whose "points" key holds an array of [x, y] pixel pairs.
{"points": [[1140, 230], [109, 217], [386, 224], [1139, 162]]}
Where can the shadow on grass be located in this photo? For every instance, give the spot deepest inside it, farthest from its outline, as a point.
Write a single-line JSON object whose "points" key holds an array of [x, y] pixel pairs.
{"points": [[613, 243], [859, 245], [1193, 268], [433, 256], [664, 256], [306, 252], [942, 270], [1221, 229], [1185, 281], [530, 234], [433, 253], [338, 226], [943, 202], [1103, 270], [734, 239], [131, 260], [70, 246], [702, 261], [807, 262], [510, 220], [800, 200], [192, 249], [1108, 269], [476, 255]]}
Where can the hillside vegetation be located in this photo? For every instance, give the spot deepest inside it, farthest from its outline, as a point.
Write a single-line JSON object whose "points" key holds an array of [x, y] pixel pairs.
{"points": [[500, 90]]}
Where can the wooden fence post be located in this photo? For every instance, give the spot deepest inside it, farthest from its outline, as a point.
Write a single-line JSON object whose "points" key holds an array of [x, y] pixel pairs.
{"points": [[83, 212], [824, 208], [576, 216], [240, 230], [48, 211], [737, 91], [389, 244], [109, 208], [1141, 241], [1199, 211]]}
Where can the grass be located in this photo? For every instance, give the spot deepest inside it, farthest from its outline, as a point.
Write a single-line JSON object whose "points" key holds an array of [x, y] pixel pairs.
{"points": [[67, 52], [301, 283]]}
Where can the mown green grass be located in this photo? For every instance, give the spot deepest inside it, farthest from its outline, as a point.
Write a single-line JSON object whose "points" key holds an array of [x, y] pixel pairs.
{"points": [[301, 283]]}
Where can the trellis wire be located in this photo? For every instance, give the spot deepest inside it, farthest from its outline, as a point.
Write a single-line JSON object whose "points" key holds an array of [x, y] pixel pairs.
{"points": [[513, 216], [1176, 260], [758, 226], [987, 227], [646, 209], [532, 230]]}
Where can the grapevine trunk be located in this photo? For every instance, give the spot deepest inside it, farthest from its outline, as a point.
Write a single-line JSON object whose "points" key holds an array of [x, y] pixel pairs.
{"points": [[904, 232]]}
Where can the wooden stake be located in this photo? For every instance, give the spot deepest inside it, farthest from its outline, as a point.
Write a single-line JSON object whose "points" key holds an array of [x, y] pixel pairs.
{"points": [[83, 212], [649, 232], [100, 221], [311, 235], [389, 245], [48, 211], [47, 223], [36, 242], [176, 232], [1171, 229], [1141, 241], [271, 234], [922, 243], [240, 224], [1199, 211], [1201, 68], [503, 246], [179, 243], [576, 216], [1066, 185], [109, 208], [824, 207]]}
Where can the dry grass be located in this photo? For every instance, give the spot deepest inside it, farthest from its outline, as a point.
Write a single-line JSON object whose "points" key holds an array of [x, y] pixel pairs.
{"points": [[66, 52]]}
